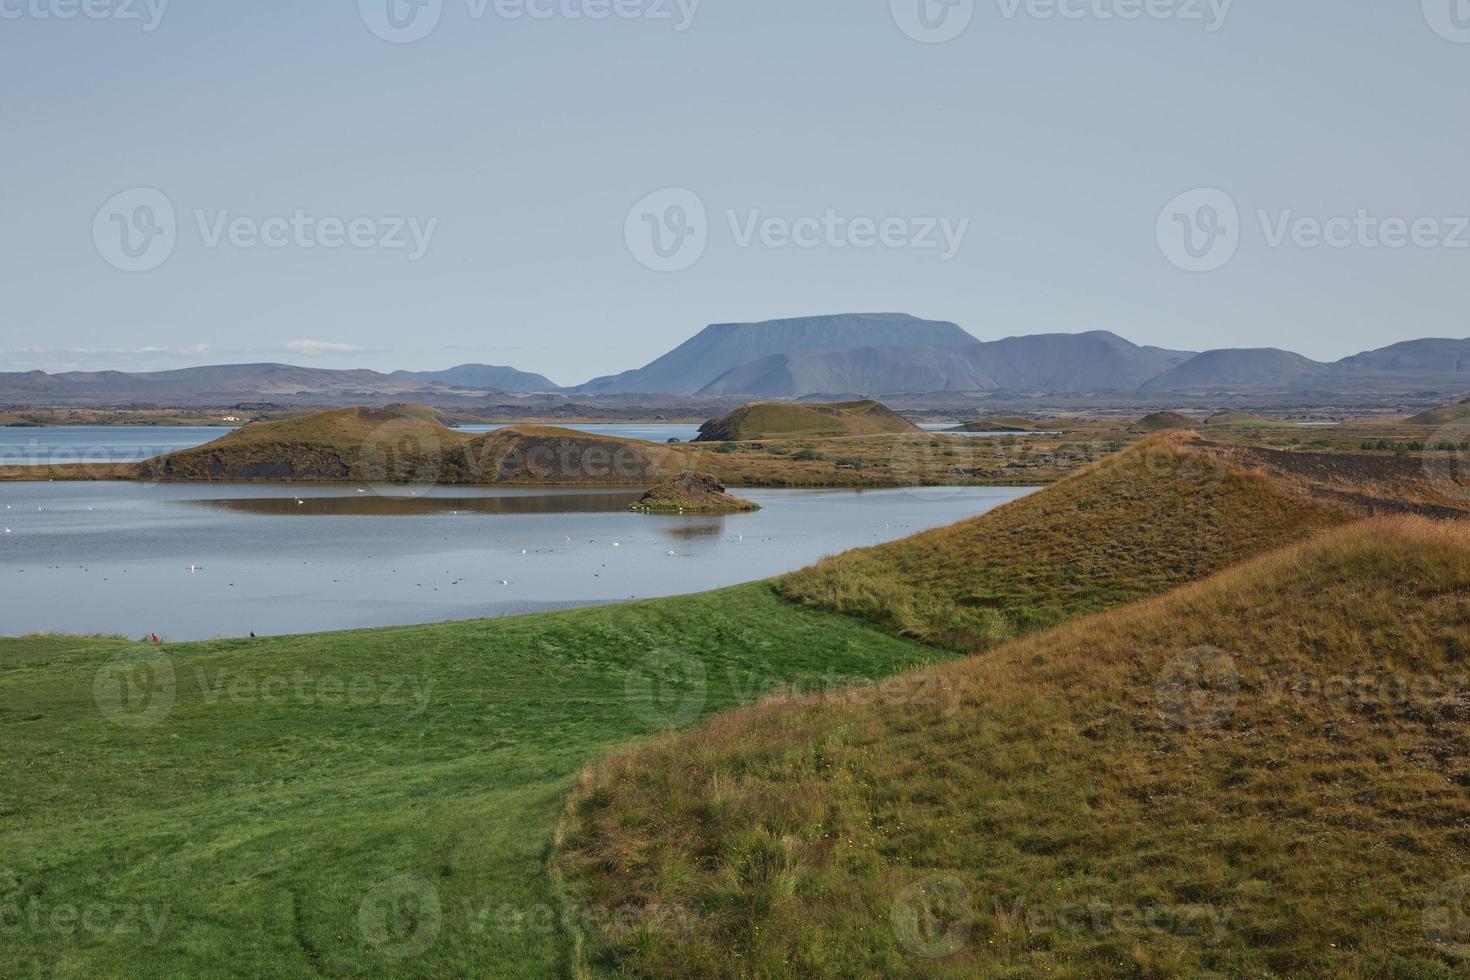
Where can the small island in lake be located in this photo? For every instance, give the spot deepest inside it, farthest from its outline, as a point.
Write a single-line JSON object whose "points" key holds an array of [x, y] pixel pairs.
{"points": [[693, 493]]}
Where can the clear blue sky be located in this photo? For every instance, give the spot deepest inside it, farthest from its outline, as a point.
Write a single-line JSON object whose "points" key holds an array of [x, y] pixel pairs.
{"points": [[527, 141]]}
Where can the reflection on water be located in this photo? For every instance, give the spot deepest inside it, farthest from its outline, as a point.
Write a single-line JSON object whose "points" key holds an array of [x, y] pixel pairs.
{"points": [[711, 528], [373, 505], [191, 561]]}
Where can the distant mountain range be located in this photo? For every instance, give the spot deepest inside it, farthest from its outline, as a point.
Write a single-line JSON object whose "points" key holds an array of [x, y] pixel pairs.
{"points": [[884, 355]]}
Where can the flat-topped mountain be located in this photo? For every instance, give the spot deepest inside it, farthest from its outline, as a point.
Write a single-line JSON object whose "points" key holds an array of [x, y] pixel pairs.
{"points": [[1052, 363], [774, 420], [722, 347]]}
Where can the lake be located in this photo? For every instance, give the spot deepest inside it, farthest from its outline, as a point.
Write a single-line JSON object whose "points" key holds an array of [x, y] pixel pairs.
{"points": [[193, 561], [21, 446]]}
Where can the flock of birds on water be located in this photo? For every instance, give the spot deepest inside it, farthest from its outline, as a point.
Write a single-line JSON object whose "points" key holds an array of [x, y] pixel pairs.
{"points": [[193, 568]]}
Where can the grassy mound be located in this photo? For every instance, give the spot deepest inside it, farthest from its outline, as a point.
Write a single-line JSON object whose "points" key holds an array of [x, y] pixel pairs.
{"points": [[774, 420], [1444, 415], [405, 444], [546, 455], [1258, 775], [368, 804], [693, 493], [1162, 422], [400, 443], [1145, 520]]}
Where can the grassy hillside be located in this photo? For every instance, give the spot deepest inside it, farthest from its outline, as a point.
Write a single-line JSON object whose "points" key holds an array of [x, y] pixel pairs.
{"points": [[1142, 521], [773, 420], [406, 444], [546, 455], [400, 443], [292, 791], [1444, 415], [1259, 775]]}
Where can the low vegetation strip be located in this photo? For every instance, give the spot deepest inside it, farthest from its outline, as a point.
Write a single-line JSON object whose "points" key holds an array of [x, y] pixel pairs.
{"points": [[1147, 519], [1258, 775], [364, 804]]}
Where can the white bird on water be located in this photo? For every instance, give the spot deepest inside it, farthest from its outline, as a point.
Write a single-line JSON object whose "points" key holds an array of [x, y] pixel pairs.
{"points": [[504, 582], [7, 530]]}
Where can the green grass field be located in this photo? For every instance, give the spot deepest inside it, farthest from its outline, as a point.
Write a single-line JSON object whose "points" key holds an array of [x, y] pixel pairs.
{"points": [[353, 804]]}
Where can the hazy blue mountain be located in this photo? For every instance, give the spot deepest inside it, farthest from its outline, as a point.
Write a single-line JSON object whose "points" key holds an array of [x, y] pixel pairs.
{"points": [[1061, 363], [1429, 356], [489, 377], [722, 347], [214, 385], [870, 370], [1240, 370]]}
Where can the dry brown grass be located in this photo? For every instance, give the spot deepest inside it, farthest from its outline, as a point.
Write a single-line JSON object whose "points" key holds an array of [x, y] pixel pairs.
{"points": [[1150, 518]]}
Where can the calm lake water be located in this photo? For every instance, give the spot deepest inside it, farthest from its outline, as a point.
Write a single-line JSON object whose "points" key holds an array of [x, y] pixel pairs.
{"points": [[196, 561], [132, 443]]}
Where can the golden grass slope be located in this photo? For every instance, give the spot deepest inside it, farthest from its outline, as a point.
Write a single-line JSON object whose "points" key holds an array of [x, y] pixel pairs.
{"points": [[545, 455], [1149, 518], [399, 443], [1260, 775], [406, 444], [781, 420]]}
